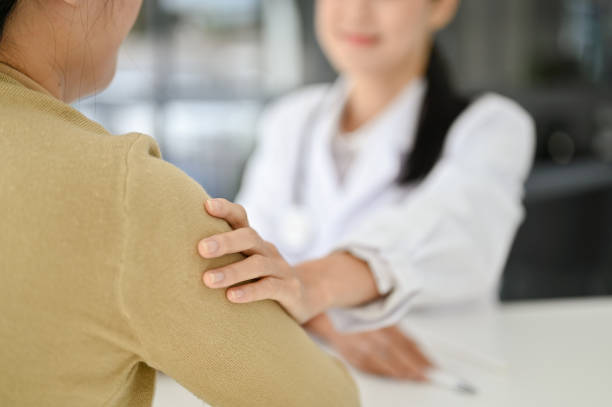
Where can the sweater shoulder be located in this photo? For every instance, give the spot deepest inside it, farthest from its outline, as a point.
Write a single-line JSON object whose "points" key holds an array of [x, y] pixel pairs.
{"points": [[162, 203]]}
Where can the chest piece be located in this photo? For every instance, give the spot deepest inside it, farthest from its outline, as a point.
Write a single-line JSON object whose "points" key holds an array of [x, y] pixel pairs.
{"points": [[297, 229]]}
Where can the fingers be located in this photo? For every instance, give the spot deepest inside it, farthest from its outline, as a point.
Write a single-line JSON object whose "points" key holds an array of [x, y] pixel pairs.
{"points": [[374, 365], [410, 347], [406, 365], [233, 213], [386, 352], [264, 289], [399, 364], [408, 361], [367, 353], [252, 267], [244, 240]]}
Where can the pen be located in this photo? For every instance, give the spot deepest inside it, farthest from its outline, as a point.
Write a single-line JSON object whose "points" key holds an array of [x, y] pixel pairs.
{"points": [[444, 379]]}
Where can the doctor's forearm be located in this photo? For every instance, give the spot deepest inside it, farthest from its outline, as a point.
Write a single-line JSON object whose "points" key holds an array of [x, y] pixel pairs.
{"points": [[339, 280]]}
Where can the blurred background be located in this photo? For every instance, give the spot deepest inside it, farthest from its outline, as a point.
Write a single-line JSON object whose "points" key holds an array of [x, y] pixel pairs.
{"points": [[196, 74]]}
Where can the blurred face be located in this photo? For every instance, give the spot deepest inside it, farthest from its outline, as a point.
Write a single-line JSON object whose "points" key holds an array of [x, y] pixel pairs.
{"points": [[374, 37]]}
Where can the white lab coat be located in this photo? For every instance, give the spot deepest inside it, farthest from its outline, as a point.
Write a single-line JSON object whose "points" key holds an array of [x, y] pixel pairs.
{"points": [[442, 241]]}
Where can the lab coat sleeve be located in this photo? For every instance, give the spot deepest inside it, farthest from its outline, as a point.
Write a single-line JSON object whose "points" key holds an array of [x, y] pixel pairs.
{"points": [[447, 242]]}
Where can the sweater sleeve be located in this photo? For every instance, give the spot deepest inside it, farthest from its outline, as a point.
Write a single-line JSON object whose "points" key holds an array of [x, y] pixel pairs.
{"points": [[226, 354]]}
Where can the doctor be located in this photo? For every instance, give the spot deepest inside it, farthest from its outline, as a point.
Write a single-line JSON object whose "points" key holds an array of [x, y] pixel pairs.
{"points": [[384, 193]]}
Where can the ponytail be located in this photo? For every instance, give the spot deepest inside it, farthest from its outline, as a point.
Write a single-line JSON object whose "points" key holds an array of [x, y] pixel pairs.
{"points": [[441, 107], [6, 8]]}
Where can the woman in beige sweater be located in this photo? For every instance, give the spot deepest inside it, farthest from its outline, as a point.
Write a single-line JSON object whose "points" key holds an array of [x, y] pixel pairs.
{"points": [[88, 312]]}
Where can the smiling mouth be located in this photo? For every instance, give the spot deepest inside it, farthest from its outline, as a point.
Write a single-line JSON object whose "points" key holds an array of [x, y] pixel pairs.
{"points": [[362, 40]]}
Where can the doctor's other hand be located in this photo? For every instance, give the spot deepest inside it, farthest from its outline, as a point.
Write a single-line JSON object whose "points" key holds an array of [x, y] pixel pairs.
{"points": [[265, 272], [384, 352]]}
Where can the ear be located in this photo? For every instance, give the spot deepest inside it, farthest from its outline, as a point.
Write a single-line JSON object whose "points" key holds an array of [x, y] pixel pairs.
{"points": [[442, 13]]}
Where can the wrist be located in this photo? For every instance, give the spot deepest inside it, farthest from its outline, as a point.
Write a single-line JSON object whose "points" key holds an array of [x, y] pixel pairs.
{"points": [[312, 275], [322, 327], [348, 280], [325, 282]]}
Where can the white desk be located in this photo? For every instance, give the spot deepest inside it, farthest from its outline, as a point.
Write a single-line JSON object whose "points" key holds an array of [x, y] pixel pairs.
{"points": [[545, 353]]}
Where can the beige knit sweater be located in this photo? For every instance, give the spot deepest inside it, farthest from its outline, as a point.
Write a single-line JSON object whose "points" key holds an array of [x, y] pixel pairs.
{"points": [[100, 280]]}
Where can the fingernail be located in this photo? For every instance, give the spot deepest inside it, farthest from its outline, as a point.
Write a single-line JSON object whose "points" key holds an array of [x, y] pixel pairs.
{"points": [[237, 294], [213, 205], [213, 278], [209, 246]]}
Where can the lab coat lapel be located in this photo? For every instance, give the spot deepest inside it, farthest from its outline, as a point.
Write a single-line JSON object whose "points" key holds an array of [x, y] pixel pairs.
{"points": [[322, 180], [378, 163]]}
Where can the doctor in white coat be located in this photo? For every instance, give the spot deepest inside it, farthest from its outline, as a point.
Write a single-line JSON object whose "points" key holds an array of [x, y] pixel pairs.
{"points": [[384, 193]]}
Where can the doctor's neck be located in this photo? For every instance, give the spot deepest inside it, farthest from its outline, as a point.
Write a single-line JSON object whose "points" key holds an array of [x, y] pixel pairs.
{"points": [[371, 93]]}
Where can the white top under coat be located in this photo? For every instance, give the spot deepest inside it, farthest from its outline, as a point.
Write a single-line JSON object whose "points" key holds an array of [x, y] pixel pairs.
{"points": [[347, 147], [439, 242]]}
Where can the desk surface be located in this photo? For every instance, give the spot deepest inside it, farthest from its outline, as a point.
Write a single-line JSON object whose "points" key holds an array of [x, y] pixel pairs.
{"points": [[544, 353]]}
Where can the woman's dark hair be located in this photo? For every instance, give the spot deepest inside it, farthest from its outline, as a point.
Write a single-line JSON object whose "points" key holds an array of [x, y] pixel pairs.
{"points": [[6, 8], [441, 107]]}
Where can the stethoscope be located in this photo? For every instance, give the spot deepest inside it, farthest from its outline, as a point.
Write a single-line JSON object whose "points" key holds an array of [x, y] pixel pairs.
{"points": [[297, 227]]}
